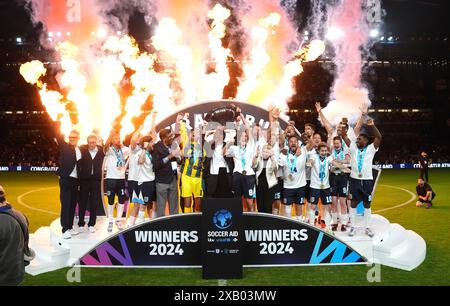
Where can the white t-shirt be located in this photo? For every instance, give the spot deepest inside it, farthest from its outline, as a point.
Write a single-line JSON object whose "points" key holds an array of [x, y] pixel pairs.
{"points": [[133, 164], [240, 155], [115, 168], [74, 172], [340, 156], [218, 160], [350, 134], [298, 172], [318, 167], [146, 173], [366, 155]]}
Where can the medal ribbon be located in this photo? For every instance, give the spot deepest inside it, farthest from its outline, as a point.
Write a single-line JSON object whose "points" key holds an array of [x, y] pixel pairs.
{"points": [[292, 166], [119, 156], [322, 167], [243, 157], [340, 153], [360, 158], [148, 155]]}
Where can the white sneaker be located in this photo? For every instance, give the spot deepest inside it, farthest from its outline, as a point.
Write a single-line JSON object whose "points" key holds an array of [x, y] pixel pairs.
{"points": [[110, 226], [82, 229], [66, 235], [119, 225], [329, 231], [352, 231], [91, 229], [74, 232], [369, 232]]}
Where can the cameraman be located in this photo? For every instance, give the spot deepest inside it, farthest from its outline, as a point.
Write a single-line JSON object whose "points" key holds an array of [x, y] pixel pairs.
{"points": [[14, 250]]}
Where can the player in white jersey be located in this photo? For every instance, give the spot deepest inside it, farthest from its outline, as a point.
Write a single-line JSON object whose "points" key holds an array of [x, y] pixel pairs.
{"points": [[294, 181], [133, 176], [361, 178], [320, 184], [146, 178], [313, 140], [244, 181], [339, 184], [116, 156]]}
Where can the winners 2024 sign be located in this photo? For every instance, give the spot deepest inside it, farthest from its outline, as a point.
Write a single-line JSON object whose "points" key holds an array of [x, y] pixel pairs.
{"points": [[175, 241]]}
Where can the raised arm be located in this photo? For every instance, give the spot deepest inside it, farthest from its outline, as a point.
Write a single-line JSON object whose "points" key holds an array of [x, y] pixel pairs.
{"points": [[108, 142], [362, 118], [345, 137], [135, 137], [247, 125], [376, 132], [323, 119], [152, 125]]}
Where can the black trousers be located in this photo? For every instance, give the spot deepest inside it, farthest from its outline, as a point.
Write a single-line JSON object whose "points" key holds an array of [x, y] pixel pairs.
{"points": [[424, 174], [90, 199], [68, 195], [264, 197], [219, 186]]}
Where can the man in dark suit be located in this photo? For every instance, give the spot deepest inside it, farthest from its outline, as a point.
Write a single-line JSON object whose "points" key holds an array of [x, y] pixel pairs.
{"points": [[67, 172], [166, 158], [90, 173]]}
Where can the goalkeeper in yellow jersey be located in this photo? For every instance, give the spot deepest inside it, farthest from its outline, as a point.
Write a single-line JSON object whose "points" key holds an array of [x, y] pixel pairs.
{"points": [[193, 158]]}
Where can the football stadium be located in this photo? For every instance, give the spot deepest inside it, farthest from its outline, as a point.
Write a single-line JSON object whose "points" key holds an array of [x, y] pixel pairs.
{"points": [[224, 143]]}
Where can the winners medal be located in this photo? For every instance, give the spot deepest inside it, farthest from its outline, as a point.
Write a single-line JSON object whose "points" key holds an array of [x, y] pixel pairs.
{"points": [[360, 175], [244, 172], [290, 177], [322, 186]]}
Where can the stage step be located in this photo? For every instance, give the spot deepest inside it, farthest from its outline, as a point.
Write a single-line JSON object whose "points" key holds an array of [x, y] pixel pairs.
{"points": [[39, 266], [408, 255], [49, 257], [390, 240]]}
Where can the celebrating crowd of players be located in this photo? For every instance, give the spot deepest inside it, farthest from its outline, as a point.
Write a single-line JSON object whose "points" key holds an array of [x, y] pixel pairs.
{"points": [[274, 171]]}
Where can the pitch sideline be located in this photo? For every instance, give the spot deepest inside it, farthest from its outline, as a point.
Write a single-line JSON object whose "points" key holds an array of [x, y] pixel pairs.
{"points": [[413, 197], [21, 202]]}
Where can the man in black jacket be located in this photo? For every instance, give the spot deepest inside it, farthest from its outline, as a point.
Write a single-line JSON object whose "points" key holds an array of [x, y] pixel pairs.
{"points": [[166, 157], [90, 170], [67, 172], [424, 162], [13, 243]]}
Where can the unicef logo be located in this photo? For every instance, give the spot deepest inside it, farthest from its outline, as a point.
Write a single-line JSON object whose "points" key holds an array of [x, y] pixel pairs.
{"points": [[222, 219]]}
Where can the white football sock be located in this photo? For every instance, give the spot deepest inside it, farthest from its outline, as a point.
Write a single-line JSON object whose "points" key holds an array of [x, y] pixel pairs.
{"points": [[275, 211], [352, 216], [367, 216], [131, 220], [344, 219], [334, 216], [153, 213], [327, 218], [288, 212], [119, 211], [110, 212], [312, 216], [141, 216]]}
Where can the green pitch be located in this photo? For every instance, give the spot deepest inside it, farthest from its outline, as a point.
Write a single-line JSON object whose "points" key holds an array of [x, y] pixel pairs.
{"points": [[36, 194]]}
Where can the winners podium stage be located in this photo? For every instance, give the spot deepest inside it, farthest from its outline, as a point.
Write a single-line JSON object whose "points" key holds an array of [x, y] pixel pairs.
{"points": [[267, 240]]}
